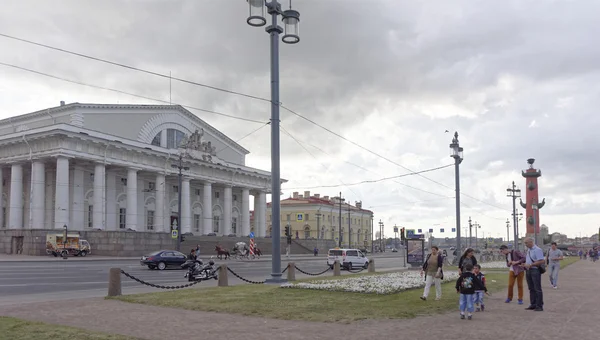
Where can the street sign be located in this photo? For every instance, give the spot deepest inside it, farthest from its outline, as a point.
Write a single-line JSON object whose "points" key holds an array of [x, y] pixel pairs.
{"points": [[410, 233], [395, 229], [251, 234], [174, 234]]}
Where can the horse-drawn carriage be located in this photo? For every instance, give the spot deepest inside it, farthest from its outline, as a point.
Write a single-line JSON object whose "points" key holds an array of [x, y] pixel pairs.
{"points": [[240, 251]]}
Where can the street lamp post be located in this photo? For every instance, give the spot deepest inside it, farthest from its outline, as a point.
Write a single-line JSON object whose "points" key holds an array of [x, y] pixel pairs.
{"points": [[380, 236], [349, 229], [508, 231], [477, 226], [340, 200], [457, 154], [372, 235], [318, 226], [291, 19], [534, 208], [470, 232], [519, 217], [65, 236], [514, 193], [179, 166]]}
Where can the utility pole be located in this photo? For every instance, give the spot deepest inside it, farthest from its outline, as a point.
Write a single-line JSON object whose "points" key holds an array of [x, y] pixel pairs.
{"points": [[457, 154], [514, 193], [372, 235], [470, 233], [380, 236], [508, 231], [340, 221], [477, 226], [318, 226], [349, 229], [180, 167]]}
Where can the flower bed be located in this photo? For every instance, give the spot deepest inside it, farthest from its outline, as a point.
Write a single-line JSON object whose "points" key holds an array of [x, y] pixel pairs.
{"points": [[494, 265], [371, 284]]}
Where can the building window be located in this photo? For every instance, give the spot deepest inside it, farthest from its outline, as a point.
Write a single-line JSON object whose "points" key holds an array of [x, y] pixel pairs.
{"points": [[307, 233], [122, 218], [217, 195], [174, 138], [234, 225], [197, 223], [289, 217], [197, 192], [156, 140], [215, 224], [151, 186], [333, 233], [90, 216], [150, 220], [175, 188], [235, 198], [306, 217]]}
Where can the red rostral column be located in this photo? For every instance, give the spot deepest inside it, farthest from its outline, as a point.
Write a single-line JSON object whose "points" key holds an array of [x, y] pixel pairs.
{"points": [[531, 197]]}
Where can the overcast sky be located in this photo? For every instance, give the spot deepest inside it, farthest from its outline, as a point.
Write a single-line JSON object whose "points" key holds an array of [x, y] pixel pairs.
{"points": [[517, 79]]}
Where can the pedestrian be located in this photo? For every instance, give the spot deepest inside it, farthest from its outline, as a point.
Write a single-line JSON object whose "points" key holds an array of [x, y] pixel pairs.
{"points": [[514, 260], [478, 297], [192, 256], [466, 285], [432, 268], [467, 257], [555, 255], [197, 250], [534, 265]]}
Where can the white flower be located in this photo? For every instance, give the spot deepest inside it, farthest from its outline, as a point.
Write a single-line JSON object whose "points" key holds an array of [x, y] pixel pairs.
{"points": [[374, 284], [494, 265]]}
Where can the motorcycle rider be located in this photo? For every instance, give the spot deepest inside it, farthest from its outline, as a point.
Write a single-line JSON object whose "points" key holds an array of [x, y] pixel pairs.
{"points": [[192, 256]]}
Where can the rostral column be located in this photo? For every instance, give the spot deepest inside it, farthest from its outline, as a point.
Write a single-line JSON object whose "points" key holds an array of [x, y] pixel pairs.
{"points": [[531, 197]]}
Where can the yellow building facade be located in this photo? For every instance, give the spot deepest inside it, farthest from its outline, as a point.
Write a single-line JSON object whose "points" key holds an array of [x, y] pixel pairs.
{"points": [[318, 217]]}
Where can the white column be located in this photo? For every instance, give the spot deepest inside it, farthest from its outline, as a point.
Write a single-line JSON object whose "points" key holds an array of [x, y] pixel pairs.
{"points": [[263, 214], [38, 177], [50, 187], [16, 197], [61, 216], [186, 221], [245, 212], [256, 213], [98, 210], [207, 208], [159, 202], [227, 202], [111, 200], [78, 211], [132, 195]]}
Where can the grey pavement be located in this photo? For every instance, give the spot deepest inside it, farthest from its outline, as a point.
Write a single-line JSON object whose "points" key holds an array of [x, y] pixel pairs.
{"points": [[570, 313], [33, 281]]}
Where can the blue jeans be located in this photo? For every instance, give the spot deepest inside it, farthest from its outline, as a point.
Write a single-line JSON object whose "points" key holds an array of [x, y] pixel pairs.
{"points": [[465, 302], [554, 269], [534, 283], [478, 298]]}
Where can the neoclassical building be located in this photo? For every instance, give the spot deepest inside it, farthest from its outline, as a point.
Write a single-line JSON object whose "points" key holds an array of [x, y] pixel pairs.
{"points": [[111, 167]]}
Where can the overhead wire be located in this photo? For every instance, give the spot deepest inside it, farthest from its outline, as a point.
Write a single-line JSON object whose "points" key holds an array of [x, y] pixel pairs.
{"points": [[221, 90]]}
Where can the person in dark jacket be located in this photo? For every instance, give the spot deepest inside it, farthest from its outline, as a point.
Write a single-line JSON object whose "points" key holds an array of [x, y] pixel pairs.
{"points": [[466, 285], [432, 268], [467, 257], [192, 256]]}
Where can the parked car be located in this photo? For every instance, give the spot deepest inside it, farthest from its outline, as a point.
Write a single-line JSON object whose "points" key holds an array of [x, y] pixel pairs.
{"points": [[348, 258], [163, 258]]}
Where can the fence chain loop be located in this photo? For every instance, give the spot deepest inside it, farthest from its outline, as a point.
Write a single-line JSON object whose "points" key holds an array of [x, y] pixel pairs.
{"points": [[155, 285], [356, 271], [245, 280], [311, 274]]}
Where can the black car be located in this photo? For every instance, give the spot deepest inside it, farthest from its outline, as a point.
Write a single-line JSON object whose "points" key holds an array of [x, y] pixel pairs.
{"points": [[163, 258]]}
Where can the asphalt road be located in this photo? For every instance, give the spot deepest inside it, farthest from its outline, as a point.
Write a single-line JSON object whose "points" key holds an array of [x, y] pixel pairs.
{"points": [[37, 281]]}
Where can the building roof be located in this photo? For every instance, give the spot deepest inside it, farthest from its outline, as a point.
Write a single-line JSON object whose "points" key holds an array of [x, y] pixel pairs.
{"points": [[318, 200]]}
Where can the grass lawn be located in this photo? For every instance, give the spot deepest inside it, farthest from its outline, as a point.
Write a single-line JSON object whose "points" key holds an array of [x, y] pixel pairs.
{"points": [[313, 305], [17, 329]]}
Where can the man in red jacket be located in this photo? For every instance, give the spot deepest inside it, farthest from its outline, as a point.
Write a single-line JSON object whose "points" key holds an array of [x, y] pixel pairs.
{"points": [[513, 260]]}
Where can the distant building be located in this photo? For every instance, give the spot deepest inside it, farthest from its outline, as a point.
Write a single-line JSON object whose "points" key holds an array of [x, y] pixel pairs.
{"points": [[315, 217]]}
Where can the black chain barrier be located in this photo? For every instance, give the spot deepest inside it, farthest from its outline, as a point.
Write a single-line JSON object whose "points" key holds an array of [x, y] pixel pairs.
{"points": [[245, 280], [311, 274], [356, 271], [285, 270], [155, 285]]}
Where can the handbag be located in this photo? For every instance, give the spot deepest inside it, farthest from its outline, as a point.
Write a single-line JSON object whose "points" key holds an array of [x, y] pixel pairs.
{"points": [[541, 268]]}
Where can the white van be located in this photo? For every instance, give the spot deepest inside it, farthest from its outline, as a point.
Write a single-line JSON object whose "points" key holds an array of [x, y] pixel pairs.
{"points": [[349, 258]]}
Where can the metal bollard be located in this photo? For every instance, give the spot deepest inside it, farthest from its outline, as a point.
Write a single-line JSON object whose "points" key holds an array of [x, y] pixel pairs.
{"points": [[223, 282], [337, 268], [114, 282], [291, 272], [371, 267]]}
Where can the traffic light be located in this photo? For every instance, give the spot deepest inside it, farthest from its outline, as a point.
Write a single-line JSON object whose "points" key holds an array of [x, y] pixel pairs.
{"points": [[287, 231], [182, 238], [402, 237]]}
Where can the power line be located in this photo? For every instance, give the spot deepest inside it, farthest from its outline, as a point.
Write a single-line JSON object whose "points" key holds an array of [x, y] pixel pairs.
{"points": [[480, 213], [310, 153], [245, 136], [377, 180], [209, 111], [127, 93], [134, 68]]}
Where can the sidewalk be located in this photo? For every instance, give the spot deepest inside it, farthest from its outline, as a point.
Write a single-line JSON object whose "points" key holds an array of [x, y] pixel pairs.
{"points": [[570, 312]]}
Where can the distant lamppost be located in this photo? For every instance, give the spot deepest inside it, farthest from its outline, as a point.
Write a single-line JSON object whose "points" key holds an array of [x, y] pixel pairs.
{"points": [[318, 214], [514, 193], [520, 217], [180, 167], [291, 19], [507, 231], [381, 248], [456, 152], [340, 200], [470, 232], [477, 226], [65, 232], [372, 235]]}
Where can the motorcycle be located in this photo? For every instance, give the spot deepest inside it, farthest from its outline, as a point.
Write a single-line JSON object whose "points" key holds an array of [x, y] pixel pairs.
{"points": [[198, 271]]}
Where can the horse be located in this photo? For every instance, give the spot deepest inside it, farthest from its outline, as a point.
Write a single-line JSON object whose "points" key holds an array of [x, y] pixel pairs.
{"points": [[220, 252]]}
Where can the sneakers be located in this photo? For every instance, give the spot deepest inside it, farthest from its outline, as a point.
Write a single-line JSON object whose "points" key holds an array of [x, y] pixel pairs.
{"points": [[520, 302], [423, 298], [470, 317], [555, 287], [462, 316], [438, 298], [478, 309], [508, 301], [482, 308]]}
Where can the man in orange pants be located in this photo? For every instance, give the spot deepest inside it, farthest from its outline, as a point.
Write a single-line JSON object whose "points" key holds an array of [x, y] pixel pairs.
{"points": [[513, 260]]}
